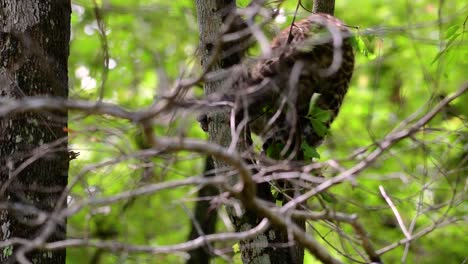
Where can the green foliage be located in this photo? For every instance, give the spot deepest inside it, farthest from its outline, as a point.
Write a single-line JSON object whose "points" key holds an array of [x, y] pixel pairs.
{"points": [[7, 251], [363, 45], [318, 118], [310, 152], [405, 64], [450, 36], [274, 150]]}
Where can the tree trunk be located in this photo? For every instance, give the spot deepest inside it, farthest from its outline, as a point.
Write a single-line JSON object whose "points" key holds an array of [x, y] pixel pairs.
{"points": [[34, 48], [324, 6], [273, 245], [204, 222]]}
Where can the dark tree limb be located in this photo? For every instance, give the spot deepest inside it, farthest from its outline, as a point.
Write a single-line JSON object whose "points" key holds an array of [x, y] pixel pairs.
{"points": [[204, 222], [324, 6]]}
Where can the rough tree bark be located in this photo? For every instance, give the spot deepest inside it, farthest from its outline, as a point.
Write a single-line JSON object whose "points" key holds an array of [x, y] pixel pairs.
{"points": [[324, 6], [210, 18], [34, 48], [271, 246], [205, 218]]}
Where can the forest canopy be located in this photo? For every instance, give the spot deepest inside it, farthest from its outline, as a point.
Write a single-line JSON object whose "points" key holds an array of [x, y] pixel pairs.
{"points": [[391, 170]]}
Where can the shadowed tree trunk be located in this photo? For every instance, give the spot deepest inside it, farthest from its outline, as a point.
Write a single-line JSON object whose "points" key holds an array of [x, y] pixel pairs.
{"points": [[273, 246], [324, 6], [205, 218], [34, 48]]}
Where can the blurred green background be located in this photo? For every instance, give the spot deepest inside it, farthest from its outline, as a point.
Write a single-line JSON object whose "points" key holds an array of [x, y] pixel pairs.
{"points": [[409, 55]]}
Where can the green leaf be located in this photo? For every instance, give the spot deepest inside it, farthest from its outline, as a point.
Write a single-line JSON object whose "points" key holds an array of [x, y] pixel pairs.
{"points": [[358, 42], [328, 197], [449, 43], [318, 113], [318, 118], [312, 102], [274, 150], [451, 31], [266, 109], [309, 151], [236, 248], [437, 57], [319, 127], [322, 115], [371, 55], [7, 251]]}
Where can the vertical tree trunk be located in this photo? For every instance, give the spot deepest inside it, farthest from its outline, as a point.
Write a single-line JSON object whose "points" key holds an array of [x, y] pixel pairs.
{"points": [[272, 246], [34, 48], [210, 21], [324, 6], [204, 222]]}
